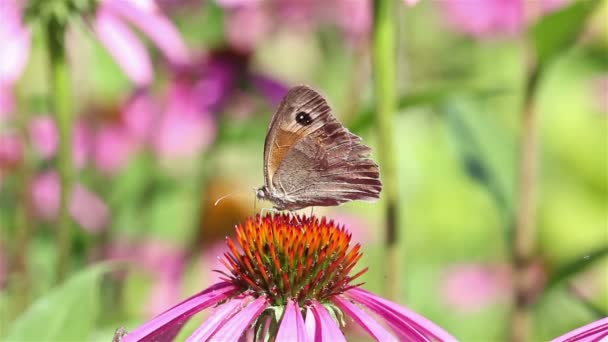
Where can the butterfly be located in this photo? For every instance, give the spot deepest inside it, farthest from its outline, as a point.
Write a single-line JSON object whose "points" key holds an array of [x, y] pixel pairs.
{"points": [[311, 159]]}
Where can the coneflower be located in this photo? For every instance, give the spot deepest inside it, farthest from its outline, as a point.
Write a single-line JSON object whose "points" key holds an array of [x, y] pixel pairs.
{"points": [[290, 278]]}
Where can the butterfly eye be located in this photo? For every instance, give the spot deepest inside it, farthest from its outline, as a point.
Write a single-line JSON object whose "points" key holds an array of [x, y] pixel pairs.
{"points": [[303, 118]]}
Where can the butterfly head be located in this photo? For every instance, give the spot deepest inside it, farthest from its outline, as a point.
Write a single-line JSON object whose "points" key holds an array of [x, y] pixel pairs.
{"points": [[261, 193]]}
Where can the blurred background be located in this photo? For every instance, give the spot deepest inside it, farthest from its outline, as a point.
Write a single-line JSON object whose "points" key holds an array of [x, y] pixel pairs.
{"points": [[170, 102]]}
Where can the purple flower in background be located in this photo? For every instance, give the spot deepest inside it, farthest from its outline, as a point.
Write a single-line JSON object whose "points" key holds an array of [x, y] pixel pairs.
{"points": [[593, 332], [15, 46], [491, 18], [87, 209], [300, 283]]}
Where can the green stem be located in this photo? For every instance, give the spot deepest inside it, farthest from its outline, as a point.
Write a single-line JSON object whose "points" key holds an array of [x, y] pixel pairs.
{"points": [[62, 107], [20, 273], [524, 234], [384, 72]]}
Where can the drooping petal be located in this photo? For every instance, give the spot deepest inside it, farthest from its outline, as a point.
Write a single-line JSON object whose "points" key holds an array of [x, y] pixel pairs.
{"points": [[292, 326], [592, 332], [327, 330], [126, 49], [148, 18], [311, 326], [234, 328], [364, 320], [394, 311], [164, 324], [217, 320]]}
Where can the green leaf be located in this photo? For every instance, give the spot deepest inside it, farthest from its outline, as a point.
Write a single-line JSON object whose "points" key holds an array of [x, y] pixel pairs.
{"points": [[486, 152], [576, 266], [556, 32], [66, 313]]}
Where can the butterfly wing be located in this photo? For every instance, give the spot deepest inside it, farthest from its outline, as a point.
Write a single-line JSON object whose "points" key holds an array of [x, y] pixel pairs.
{"points": [[313, 160]]}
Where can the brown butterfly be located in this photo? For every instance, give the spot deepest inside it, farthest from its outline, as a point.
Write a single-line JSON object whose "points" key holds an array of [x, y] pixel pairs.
{"points": [[311, 159]]}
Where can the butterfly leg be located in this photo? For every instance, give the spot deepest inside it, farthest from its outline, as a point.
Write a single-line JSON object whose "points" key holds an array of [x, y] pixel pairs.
{"points": [[273, 210]]}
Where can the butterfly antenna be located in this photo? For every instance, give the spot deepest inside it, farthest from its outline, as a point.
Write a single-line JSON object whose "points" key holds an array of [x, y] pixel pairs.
{"points": [[222, 198]]}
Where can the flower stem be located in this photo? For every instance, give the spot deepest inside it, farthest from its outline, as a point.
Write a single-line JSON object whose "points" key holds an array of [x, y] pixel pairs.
{"points": [[384, 72], [62, 107], [524, 239]]}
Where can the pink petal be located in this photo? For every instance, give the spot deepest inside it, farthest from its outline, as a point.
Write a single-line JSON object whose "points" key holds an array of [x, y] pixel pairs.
{"points": [[292, 325], [174, 318], [158, 27], [592, 332], [327, 328], [395, 312], [410, 2], [44, 136], [126, 49], [311, 325], [240, 322], [15, 42], [88, 209], [364, 320], [217, 320]]}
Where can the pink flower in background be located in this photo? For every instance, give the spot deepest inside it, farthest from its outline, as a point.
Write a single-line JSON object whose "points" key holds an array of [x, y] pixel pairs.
{"points": [[185, 127], [593, 332], [44, 136], [292, 284], [470, 287], [110, 27], [15, 40], [491, 18], [126, 48], [87, 209]]}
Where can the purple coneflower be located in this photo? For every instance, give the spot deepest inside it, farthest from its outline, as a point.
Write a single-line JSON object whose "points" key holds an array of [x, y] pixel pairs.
{"points": [[290, 278]]}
